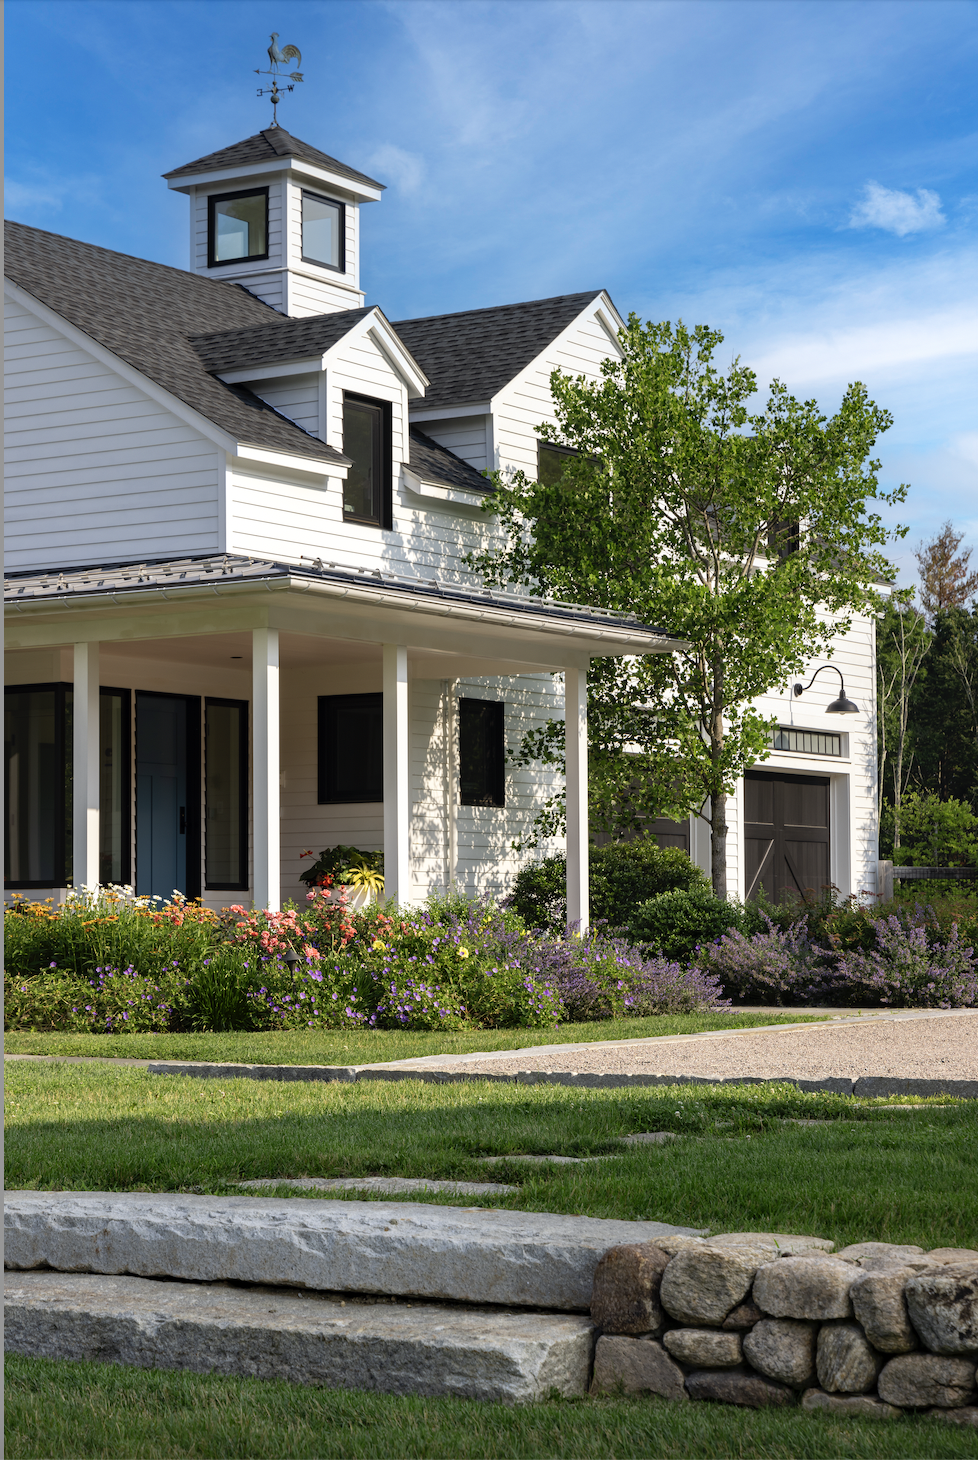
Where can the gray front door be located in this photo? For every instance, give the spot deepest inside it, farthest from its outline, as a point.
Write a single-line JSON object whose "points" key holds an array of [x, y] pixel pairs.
{"points": [[167, 858]]}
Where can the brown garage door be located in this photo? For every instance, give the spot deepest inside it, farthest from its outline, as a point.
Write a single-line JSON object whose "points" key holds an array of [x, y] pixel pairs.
{"points": [[786, 834]]}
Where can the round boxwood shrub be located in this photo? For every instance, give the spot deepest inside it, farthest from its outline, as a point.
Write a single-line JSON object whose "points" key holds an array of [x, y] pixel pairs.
{"points": [[676, 923], [622, 876]]}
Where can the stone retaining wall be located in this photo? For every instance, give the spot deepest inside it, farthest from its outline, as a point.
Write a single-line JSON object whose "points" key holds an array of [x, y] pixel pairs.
{"points": [[764, 1319]]}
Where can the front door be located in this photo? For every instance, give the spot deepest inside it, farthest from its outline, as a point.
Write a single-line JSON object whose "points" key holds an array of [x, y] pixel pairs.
{"points": [[786, 835], [167, 795]]}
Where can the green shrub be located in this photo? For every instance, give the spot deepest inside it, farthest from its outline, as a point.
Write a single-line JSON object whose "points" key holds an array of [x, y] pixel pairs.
{"points": [[676, 923], [936, 833], [622, 875]]}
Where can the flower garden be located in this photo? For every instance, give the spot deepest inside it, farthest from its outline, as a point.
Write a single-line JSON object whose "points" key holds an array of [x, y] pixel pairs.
{"points": [[107, 961]]}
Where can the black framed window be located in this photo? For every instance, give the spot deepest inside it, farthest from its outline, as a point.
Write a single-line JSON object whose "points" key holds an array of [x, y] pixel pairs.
{"points": [[37, 768], [237, 227], [351, 748], [115, 787], [367, 441], [552, 462], [226, 794], [784, 537], [481, 753], [323, 229]]}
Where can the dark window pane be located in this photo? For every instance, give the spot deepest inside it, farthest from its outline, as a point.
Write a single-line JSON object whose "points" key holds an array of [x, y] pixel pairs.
{"points": [[362, 442], [322, 222], [225, 793], [552, 462], [784, 538], [481, 753], [239, 227], [38, 785], [114, 817], [351, 747]]}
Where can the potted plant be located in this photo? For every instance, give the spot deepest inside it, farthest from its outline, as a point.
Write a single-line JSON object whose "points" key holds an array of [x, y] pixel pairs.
{"points": [[362, 873]]}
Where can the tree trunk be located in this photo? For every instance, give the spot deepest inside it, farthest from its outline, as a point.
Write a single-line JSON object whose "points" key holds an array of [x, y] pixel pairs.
{"points": [[718, 845]]}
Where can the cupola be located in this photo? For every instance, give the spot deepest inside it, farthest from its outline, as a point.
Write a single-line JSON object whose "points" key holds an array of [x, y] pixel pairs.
{"points": [[281, 218]]}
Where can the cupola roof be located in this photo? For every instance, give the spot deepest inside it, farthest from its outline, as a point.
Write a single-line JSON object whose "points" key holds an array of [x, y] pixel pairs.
{"points": [[269, 146]]}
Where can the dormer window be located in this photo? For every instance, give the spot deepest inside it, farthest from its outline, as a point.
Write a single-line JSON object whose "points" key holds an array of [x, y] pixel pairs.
{"points": [[323, 227], [238, 227]]}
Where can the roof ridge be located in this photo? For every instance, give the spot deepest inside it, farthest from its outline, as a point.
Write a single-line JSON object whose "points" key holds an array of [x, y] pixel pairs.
{"points": [[493, 308]]}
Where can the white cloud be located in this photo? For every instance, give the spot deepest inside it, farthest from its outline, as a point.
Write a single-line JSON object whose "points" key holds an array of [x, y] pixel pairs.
{"points": [[24, 198], [897, 212], [405, 169]]}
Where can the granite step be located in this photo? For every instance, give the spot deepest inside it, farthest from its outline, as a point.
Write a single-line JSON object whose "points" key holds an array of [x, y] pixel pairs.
{"points": [[268, 1334], [464, 1254]]}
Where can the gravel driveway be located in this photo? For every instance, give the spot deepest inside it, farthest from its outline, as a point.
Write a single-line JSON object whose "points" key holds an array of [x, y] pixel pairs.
{"points": [[926, 1045]]}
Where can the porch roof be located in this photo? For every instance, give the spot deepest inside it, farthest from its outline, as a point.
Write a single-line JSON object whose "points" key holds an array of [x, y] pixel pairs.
{"points": [[177, 582]]}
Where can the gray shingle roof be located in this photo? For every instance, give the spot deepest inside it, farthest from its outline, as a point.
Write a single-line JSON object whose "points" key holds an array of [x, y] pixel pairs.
{"points": [[145, 313], [472, 355], [274, 340], [266, 147], [435, 463]]}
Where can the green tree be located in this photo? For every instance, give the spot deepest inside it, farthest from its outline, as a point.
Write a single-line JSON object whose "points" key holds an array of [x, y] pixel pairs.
{"points": [[745, 535], [938, 833], [902, 645]]}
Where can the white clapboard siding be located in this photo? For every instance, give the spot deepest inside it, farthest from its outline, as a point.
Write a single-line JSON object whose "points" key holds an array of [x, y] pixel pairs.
{"points": [[96, 470], [465, 435], [854, 846], [526, 402], [264, 277], [295, 396], [315, 290]]}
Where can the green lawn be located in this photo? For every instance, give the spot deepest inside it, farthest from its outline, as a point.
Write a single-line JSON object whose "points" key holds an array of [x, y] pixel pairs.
{"points": [[373, 1046], [871, 1171], [64, 1411]]}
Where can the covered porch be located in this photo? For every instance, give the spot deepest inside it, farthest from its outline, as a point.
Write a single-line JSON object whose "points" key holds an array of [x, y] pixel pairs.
{"points": [[225, 716]]}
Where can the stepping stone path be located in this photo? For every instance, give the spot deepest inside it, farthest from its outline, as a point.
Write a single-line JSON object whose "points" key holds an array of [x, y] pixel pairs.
{"points": [[388, 1185]]}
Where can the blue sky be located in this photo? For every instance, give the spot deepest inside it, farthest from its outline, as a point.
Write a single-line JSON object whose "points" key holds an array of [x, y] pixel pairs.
{"points": [[803, 176]]}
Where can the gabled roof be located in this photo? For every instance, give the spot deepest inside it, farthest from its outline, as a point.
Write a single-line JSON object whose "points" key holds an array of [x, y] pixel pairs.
{"points": [[472, 355], [267, 146], [433, 462], [275, 340], [145, 314]]}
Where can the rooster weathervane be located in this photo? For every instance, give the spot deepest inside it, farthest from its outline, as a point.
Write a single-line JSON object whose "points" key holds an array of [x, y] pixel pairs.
{"points": [[278, 55]]}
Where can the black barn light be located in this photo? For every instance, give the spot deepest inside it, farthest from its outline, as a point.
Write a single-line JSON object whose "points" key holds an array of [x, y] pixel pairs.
{"points": [[841, 706]]}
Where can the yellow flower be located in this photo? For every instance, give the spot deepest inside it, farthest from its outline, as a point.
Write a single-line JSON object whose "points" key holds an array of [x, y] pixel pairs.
{"points": [[378, 946], [463, 953]]}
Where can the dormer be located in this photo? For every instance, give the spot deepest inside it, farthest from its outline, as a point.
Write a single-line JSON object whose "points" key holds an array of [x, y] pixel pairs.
{"points": [[280, 218]]}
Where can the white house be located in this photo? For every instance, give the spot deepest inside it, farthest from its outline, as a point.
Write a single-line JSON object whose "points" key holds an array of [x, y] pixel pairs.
{"points": [[239, 621]]}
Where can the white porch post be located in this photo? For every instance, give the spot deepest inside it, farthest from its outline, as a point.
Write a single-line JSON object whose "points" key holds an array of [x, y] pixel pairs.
{"points": [[85, 768], [397, 801], [267, 876], [575, 733]]}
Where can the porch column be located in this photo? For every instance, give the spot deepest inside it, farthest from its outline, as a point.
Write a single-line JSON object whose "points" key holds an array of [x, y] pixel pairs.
{"points": [[267, 876], [85, 768], [575, 736], [397, 799]]}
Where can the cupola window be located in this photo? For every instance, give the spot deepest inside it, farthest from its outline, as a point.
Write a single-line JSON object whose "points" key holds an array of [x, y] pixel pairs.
{"points": [[322, 231], [238, 226]]}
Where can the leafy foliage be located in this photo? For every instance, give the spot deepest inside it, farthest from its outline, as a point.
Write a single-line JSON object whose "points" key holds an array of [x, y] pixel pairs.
{"points": [[937, 833], [621, 876], [676, 923], [682, 508]]}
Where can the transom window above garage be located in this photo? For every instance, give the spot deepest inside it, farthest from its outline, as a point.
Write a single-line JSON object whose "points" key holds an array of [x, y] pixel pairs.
{"points": [[806, 742]]}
